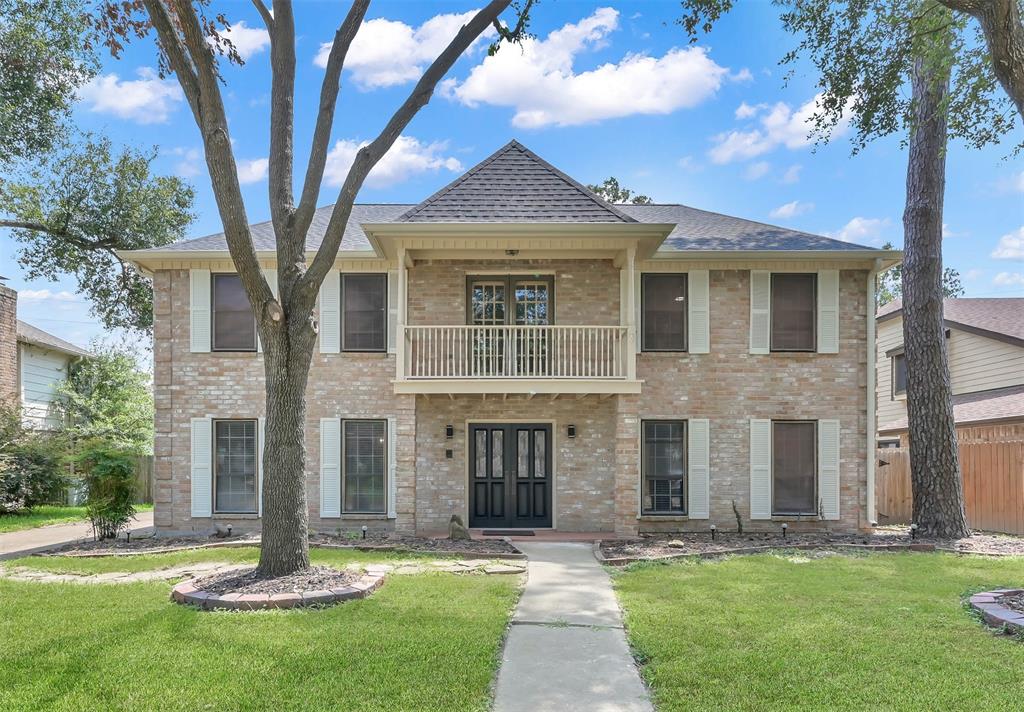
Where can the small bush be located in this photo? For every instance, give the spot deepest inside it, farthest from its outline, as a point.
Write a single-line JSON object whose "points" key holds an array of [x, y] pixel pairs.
{"points": [[33, 466], [109, 476]]}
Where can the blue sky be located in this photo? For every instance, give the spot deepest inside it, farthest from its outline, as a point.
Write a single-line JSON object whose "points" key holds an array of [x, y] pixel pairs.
{"points": [[606, 90]]}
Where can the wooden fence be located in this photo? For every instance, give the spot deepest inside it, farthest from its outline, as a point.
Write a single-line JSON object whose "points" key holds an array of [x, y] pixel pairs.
{"points": [[144, 479], [992, 465]]}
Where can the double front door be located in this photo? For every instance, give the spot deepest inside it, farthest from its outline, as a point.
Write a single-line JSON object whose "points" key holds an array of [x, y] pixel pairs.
{"points": [[510, 475]]}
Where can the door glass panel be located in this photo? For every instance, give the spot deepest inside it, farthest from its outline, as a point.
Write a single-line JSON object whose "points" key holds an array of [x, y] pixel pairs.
{"points": [[531, 302], [539, 453], [523, 453], [497, 453], [488, 303], [481, 453]]}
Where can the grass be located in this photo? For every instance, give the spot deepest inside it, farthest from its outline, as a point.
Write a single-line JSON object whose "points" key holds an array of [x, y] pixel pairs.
{"points": [[427, 641], [884, 631], [45, 515]]}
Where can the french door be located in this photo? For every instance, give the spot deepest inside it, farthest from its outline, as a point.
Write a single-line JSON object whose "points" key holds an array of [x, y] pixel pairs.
{"points": [[511, 300], [510, 475]]}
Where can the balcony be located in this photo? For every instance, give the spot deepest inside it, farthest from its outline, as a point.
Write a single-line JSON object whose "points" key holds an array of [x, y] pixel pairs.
{"points": [[516, 359]]}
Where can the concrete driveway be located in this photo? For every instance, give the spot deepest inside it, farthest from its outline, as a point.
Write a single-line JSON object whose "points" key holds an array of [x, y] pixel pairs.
{"points": [[31, 541]]}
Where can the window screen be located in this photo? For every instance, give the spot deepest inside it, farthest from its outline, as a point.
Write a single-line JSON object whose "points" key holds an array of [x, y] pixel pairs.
{"points": [[899, 374], [234, 326], [663, 466], [794, 467], [364, 308], [793, 312], [664, 312], [235, 467], [364, 463]]}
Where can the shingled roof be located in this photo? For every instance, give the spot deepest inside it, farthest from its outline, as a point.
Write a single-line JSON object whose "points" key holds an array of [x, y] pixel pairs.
{"points": [[515, 185], [34, 335], [988, 316]]}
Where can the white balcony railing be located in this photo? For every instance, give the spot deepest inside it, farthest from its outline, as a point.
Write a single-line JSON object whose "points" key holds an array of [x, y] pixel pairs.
{"points": [[516, 352]]}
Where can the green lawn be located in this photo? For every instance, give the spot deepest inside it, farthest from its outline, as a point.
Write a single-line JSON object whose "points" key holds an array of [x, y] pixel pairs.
{"points": [[421, 642], [885, 631], [48, 514]]}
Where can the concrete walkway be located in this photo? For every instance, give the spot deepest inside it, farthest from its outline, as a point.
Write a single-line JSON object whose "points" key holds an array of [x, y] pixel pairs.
{"points": [[30, 541], [567, 648]]}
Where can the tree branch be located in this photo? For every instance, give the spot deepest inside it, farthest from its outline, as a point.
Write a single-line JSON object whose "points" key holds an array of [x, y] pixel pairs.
{"points": [[369, 155], [268, 19], [282, 131], [325, 116], [177, 55], [108, 243]]}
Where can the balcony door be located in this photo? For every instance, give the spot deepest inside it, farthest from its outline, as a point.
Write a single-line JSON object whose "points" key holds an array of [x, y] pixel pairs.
{"points": [[510, 301], [510, 475]]}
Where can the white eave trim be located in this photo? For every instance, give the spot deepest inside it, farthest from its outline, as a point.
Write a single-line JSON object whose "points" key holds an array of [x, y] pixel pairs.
{"points": [[886, 258]]}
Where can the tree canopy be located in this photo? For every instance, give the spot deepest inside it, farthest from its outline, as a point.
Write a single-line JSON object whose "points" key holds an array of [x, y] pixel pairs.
{"points": [[611, 191], [890, 283]]}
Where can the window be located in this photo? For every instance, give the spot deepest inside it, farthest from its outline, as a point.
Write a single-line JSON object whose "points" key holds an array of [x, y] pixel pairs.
{"points": [[664, 471], [235, 486], [234, 326], [794, 467], [899, 375], [663, 319], [364, 312], [793, 310], [363, 460]]}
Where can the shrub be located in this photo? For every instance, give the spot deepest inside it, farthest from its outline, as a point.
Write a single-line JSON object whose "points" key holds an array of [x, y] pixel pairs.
{"points": [[109, 476], [33, 466]]}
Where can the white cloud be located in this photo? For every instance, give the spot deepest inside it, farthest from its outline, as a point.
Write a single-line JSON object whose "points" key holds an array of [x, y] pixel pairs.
{"points": [[190, 164], [689, 164], [146, 100], [791, 210], [746, 111], [1009, 279], [792, 174], [1011, 246], [539, 82], [388, 52], [861, 230], [252, 170], [757, 170], [780, 126], [45, 295], [743, 75], [247, 40], [407, 157]]}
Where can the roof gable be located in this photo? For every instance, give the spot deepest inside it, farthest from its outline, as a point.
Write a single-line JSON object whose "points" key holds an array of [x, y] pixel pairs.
{"points": [[1001, 318], [515, 185]]}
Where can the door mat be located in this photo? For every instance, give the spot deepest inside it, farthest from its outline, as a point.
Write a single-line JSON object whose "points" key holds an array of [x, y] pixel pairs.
{"points": [[507, 532]]}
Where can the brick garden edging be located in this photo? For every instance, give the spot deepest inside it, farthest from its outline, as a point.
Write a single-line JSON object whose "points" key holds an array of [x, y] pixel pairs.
{"points": [[995, 613], [743, 550], [187, 594]]}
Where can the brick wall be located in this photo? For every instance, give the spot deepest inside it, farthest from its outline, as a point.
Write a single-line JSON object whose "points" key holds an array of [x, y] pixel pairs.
{"points": [[8, 344]]}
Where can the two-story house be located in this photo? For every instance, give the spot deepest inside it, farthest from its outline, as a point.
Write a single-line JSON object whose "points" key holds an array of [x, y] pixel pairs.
{"points": [[519, 352]]}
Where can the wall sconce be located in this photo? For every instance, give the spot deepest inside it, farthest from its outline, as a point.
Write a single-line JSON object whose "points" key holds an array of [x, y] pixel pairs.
{"points": [[511, 253], [449, 432], [571, 431]]}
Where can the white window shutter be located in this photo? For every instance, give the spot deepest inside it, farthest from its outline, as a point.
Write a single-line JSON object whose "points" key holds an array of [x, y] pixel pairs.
{"points": [[699, 312], [828, 467], [330, 313], [261, 431], [392, 483], [202, 467], [760, 311], [698, 468], [199, 310], [270, 274], [760, 469], [828, 311], [392, 324], [330, 467]]}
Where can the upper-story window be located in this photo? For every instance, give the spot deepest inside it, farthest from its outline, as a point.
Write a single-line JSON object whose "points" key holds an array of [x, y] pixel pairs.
{"points": [[899, 375], [364, 312], [663, 320], [234, 326], [793, 310]]}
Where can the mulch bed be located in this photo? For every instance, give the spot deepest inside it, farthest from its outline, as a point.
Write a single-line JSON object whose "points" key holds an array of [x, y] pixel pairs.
{"points": [[317, 578], [150, 545], [417, 543], [653, 547]]}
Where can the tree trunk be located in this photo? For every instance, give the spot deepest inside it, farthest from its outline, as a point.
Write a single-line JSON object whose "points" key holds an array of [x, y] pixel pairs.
{"points": [[287, 353], [934, 459]]}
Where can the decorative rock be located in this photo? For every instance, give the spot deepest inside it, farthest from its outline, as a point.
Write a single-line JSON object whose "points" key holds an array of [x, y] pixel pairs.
{"points": [[186, 593], [285, 600], [995, 613]]}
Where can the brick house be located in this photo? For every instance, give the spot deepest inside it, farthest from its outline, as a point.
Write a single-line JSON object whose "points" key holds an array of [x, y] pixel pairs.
{"points": [[517, 351]]}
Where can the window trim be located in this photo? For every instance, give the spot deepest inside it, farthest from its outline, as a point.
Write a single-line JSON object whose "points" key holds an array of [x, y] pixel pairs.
{"points": [[213, 318], [685, 480], [895, 394], [214, 469], [771, 314], [341, 312], [509, 279], [643, 312], [817, 494], [386, 468]]}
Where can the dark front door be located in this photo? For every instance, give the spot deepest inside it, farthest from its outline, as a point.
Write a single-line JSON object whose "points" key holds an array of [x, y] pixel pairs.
{"points": [[510, 475]]}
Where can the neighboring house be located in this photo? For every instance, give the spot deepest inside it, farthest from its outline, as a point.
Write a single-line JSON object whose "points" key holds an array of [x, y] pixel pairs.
{"points": [[517, 351], [985, 344], [33, 363]]}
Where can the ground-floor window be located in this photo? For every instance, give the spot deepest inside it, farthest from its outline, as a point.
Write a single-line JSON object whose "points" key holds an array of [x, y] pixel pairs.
{"points": [[663, 468], [794, 467], [364, 444], [235, 479]]}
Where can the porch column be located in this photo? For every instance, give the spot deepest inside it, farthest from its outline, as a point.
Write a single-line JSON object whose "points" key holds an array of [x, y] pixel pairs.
{"points": [[627, 313], [403, 304]]}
